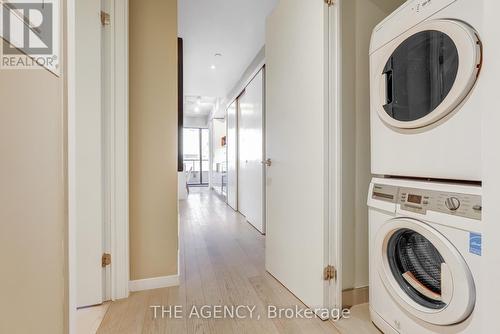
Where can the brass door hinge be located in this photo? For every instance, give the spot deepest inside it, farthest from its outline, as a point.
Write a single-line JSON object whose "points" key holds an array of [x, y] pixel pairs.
{"points": [[106, 260], [330, 3], [105, 19], [329, 273]]}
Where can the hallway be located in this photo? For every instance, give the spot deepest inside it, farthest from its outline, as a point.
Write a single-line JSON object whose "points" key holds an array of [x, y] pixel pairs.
{"points": [[222, 263]]}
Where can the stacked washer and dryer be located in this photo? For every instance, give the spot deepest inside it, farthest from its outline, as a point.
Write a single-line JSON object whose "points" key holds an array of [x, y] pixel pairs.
{"points": [[425, 206]]}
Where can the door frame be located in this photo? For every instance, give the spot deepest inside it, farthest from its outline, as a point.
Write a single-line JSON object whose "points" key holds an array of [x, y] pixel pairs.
{"points": [[264, 152], [238, 152], [117, 240], [335, 150], [118, 132], [236, 106]]}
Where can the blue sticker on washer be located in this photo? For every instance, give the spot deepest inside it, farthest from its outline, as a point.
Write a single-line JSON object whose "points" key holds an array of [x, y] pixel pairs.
{"points": [[475, 243]]}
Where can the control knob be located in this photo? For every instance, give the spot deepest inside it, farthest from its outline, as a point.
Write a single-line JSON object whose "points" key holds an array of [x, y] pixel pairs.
{"points": [[453, 203]]}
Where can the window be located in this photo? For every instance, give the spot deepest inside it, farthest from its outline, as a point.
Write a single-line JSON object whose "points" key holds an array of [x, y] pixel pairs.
{"points": [[420, 74], [196, 155]]}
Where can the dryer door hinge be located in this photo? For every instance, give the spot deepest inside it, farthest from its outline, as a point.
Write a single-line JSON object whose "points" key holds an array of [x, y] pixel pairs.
{"points": [[330, 273], [330, 3]]}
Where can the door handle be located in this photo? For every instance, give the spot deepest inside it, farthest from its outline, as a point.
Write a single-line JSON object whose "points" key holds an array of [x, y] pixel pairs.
{"points": [[267, 162], [389, 88]]}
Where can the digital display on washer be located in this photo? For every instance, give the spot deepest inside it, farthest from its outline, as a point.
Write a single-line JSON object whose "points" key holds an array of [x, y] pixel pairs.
{"points": [[415, 199]]}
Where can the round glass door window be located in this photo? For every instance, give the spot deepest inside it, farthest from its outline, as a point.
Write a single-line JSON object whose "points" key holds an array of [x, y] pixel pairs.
{"points": [[420, 74], [416, 265]]}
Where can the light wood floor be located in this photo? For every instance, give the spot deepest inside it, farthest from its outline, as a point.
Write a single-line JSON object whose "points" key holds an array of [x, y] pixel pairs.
{"points": [[89, 319], [222, 263]]}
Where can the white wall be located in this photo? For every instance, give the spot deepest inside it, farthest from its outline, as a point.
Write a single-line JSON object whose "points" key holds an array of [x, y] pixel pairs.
{"points": [[349, 143], [219, 131], [359, 17], [196, 122], [182, 186], [247, 76], [253, 68], [491, 167]]}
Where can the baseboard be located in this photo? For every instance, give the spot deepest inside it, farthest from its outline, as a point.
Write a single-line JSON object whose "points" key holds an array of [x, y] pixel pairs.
{"points": [[355, 296], [154, 283]]}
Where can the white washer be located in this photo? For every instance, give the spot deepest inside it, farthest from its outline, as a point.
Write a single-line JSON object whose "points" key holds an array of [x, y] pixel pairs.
{"points": [[425, 254], [425, 62]]}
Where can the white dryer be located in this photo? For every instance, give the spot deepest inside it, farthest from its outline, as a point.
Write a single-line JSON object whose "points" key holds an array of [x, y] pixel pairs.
{"points": [[425, 253], [425, 63]]}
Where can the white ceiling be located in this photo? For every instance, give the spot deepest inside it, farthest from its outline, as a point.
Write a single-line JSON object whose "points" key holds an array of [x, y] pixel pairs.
{"points": [[233, 28], [198, 106]]}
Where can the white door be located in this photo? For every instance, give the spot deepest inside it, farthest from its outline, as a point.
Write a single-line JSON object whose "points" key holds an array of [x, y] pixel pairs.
{"points": [[232, 156], [251, 150], [297, 137], [88, 155]]}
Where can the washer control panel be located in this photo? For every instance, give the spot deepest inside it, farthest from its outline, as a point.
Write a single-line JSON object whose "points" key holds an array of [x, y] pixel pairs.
{"points": [[420, 201], [383, 192]]}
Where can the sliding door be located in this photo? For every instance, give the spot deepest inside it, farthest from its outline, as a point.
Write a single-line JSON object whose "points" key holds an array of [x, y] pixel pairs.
{"points": [[251, 152]]}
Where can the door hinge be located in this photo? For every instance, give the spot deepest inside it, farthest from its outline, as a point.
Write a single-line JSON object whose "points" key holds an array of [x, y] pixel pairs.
{"points": [[330, 273], [106, 260], [330, 3], [105, 19]]}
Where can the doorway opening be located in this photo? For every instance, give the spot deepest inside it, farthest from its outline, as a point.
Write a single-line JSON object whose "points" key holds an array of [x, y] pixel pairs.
{"points": [[222, 105], [196, 156]]}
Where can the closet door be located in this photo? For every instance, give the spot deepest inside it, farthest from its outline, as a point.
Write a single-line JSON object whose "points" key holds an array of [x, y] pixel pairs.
{"points": [[232, 156], [251, 150]]}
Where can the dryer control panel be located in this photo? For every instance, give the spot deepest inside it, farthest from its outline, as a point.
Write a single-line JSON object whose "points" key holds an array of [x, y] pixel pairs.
{"points": [[420, 201], [405, 17]]}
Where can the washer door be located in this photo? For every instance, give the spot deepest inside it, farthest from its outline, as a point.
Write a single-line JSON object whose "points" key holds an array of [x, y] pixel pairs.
{"points": [[427, 73], [424, 272]]}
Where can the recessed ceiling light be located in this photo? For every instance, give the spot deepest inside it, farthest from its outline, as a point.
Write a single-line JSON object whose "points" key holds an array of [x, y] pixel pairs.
{"points": [[212, 67], [197, 109]]}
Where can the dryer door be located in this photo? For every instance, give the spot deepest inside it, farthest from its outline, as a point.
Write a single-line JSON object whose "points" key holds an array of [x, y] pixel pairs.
{"points": [[424, 272], [426, 73]]}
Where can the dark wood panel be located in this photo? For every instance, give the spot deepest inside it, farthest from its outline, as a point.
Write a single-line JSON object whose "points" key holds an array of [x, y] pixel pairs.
{"points": [[180, 156]]}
